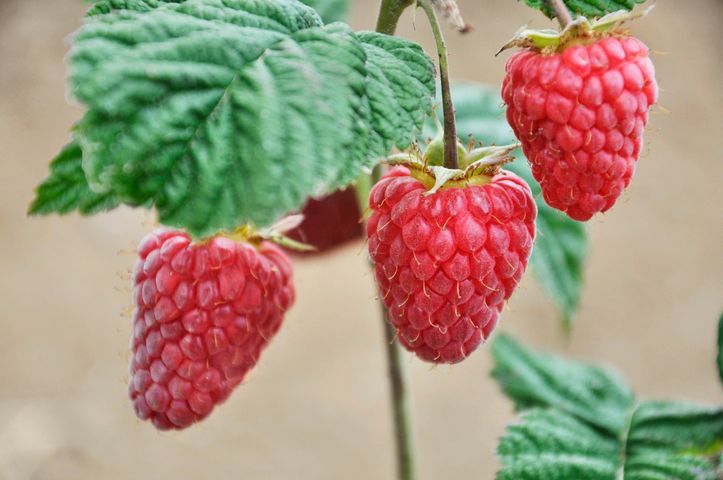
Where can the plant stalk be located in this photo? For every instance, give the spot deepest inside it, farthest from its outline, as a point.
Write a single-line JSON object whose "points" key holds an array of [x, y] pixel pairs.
{"points": [[401, 403], [389, 13], [561, 12], [450, 128]]}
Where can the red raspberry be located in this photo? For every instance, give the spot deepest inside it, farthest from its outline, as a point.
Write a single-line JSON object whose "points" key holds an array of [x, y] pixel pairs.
{"points": [[445, 263], [330, 221], [580, 115], [203, 314]]}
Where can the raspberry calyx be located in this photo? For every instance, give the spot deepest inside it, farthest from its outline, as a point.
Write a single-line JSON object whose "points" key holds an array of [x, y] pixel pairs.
{"points": [[477, 166], [579, 105], [448, 248], [580, 31]]}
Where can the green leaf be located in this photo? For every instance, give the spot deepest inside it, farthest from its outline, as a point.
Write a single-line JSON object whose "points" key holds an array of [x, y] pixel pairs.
{"points": [[329, 10], [67, 189], [106, 6], [586, 8], [222, 112], [550, 444], [400, 73], [677, 427], [653, 465], [535, 379], [560, 250], [720, 348], [580, 421]]}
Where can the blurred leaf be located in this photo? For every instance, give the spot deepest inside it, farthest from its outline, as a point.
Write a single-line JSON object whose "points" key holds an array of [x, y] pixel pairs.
{"points": [[329, 10], [677, 427], [224, 112], [561, 246], [560, 250], [100, 7], [720, 348], [67, 189], [587, 8], [585, 391], [581, 422]]}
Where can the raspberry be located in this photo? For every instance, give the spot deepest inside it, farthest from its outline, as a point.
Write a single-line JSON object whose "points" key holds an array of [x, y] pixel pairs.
{"points": [[330, 221], [446, 262], [203, 314], [580, 115]]}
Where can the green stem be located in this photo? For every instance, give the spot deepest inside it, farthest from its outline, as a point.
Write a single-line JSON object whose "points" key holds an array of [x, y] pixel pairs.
{"points": [[398, 379], [389, 13], [401, 403], [450, 128]]}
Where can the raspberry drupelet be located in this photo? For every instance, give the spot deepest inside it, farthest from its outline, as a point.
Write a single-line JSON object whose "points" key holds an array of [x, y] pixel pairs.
{"points": [[203, 314], [446, 262], [580, 113]]}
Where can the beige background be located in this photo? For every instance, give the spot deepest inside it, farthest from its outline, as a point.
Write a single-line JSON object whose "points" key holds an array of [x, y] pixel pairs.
{"points": [[316, 407]]}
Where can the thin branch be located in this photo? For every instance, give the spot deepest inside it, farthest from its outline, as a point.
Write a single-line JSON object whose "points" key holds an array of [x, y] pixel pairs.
{"points": [[561, 12], [401, 403], [389, 13], [450, 128]]}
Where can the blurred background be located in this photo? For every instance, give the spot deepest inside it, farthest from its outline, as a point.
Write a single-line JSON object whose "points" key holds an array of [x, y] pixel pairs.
{"points": [[317, 406]]}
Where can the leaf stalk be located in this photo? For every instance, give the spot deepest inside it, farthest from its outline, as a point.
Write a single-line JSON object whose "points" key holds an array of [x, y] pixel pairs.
{"points": [[389, 13], [450, 128]]}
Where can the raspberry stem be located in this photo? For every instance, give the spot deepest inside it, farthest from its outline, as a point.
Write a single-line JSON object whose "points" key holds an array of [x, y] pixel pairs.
{"points": [[389, 13], [561, 12], [450, 129], [401, 402]]}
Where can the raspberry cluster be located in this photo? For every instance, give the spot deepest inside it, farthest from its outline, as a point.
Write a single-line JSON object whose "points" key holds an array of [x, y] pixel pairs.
{"points": [[203, 314], [580, 115], [446, 262]]}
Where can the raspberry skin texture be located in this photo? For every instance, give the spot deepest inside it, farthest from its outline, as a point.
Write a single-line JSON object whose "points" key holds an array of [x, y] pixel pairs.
{"points": [[580, 115], [203, 314], [329, 222], [445, 263]]}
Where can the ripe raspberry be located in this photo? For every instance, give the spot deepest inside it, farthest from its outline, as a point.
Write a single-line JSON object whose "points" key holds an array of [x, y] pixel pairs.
{"points": [[330, 221], [580, 115], [203, 314], [445, 263]]}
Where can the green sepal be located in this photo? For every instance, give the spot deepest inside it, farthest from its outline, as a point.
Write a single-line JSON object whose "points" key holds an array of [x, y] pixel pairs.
{"points": [[477, 167], [558, 257], [580, 29]]}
